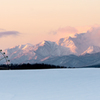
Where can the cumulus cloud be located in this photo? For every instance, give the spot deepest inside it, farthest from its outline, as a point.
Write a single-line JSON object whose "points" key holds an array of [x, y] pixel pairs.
{"points": [[7, 33], [92, 36]]}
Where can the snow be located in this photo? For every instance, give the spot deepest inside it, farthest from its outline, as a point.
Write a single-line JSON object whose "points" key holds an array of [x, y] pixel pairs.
{"points": [[68, 43], [77, 45], [41, 51], [51, 84], [89, 50]]}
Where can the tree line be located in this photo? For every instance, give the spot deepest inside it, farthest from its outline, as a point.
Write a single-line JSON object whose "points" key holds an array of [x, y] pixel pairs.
{"points": [[28, 66]]}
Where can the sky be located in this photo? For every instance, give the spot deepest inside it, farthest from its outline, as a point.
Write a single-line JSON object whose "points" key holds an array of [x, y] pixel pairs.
{"points": [[32, 21]]}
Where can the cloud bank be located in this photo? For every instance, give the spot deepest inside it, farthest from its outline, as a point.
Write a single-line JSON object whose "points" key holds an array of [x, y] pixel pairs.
{"points": [[9, 33]]}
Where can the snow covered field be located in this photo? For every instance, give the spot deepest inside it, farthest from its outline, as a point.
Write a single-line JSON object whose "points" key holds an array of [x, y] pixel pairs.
{"points": [[50, 84]]}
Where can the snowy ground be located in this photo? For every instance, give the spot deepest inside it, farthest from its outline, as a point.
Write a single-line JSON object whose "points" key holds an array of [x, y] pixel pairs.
{"points": [[55, 84]]}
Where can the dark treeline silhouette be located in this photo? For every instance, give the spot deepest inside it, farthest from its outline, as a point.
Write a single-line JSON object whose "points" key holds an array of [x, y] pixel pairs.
{"points": [[29, 66], [92, 66]]}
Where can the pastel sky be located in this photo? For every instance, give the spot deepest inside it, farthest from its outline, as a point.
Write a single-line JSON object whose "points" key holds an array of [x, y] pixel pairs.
{"points": [[32, 21]]}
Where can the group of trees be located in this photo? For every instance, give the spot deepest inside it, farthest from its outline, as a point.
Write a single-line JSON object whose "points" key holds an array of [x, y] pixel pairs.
{"points": [[29, 66]]}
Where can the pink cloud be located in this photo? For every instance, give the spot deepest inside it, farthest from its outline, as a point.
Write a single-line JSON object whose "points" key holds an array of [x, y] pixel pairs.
{"points": [[92, 35], [64, 30], [67, 30]]}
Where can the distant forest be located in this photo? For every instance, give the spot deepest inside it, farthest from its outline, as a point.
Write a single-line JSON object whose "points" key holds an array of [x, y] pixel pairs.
{"points": [[28, 66]]}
